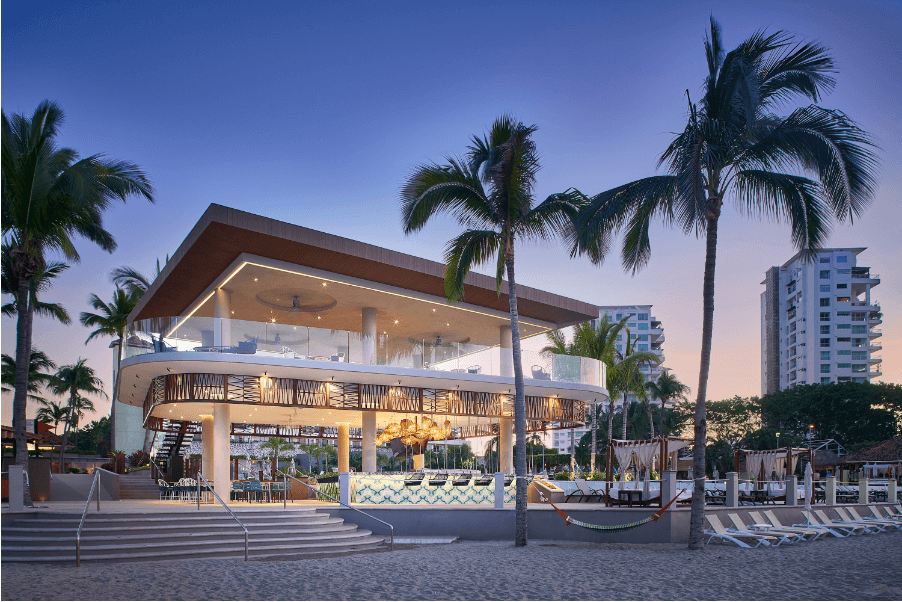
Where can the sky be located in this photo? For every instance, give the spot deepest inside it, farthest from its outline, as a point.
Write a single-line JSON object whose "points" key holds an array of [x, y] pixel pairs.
{"points": [[314, 113]]}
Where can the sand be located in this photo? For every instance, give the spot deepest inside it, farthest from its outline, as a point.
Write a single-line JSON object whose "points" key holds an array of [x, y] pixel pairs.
{"points": [[860, 568]]}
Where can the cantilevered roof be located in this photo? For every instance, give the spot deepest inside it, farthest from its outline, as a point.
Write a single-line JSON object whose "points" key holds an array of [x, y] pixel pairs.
{"points": [[222, 234]]}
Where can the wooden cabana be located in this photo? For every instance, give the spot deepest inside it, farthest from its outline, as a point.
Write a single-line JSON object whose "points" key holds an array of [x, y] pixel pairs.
{"points": [[763, 464], [884, 458], [645, 451]]}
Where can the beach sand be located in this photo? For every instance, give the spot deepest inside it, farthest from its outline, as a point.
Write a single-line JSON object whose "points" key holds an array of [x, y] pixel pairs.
{"points": [[859, 568]]}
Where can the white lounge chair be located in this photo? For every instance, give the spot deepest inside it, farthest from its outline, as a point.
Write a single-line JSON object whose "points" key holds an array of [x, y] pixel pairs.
{"points": [[884, 524], [813, 533], [839, 522], [722, 535], [785, 536], [889, 515], [834, 528]]}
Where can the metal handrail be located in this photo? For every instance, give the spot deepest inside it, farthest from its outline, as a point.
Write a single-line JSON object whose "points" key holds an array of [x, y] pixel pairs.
{"points": [[200, 477], [159, 470], [84, 514], [285, 478]]}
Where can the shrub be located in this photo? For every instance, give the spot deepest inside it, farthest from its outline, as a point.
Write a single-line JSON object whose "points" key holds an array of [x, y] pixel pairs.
{"points": [[139, 458], [107, 466], [562, 476], [72, 470], [595, 476]]}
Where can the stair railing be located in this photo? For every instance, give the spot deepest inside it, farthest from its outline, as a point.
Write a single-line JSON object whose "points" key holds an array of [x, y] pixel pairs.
{"points": [[200, 477], [160, 473], [94, 483], [285, 478]]}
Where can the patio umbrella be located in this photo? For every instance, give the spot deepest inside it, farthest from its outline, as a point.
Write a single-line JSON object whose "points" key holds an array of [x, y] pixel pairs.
{"points": [[809, 491], [716, 474]]}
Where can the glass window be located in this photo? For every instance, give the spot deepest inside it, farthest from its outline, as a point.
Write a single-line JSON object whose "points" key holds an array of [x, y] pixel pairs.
{"points": [[825, 274], [825, 329], [825, 380], [860, 355], [825, 355], [825, 260], [842, 299], [825, 342], [843, 326], [825, 288], [840, 285], [631, 325], [825, 368], [825, 301], [844, 365], [619, 317], [843, 352], [643, 347], [643, 326], [825, 316], [859, 329], [844, 313], [842, 259], [643, 316], [859, 368], [846, 271]]}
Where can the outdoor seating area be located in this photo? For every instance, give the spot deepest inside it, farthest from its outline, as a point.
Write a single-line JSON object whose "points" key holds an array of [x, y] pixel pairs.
{"points": [[765, 529], [186, 490]]}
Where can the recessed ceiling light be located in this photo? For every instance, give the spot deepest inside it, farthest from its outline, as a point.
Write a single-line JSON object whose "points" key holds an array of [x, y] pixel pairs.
{"points": [[324, 284], [255, 279], [396, 321]]}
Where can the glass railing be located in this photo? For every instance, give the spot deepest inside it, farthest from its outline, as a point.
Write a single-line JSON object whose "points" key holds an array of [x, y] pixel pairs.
{"points": [[270, 339]]}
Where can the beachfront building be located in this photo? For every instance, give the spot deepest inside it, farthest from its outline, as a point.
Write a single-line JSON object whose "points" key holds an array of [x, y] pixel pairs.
{"points": [[259, 328], [819, 323], [647, 332]]}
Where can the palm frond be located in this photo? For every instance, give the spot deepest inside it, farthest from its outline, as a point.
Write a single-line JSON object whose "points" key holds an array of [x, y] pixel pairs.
{"points": [[469, 249], [434, 188]]}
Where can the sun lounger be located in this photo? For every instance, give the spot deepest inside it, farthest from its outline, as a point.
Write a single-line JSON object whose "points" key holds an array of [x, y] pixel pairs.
{"points": [[415, 479], [809, 526], [813, 533], [461, 481], [438, 480], [889, 515], [785, 536], [852, 515], [584, 492], [720, 534], [837, 522], [833, 528], [483, 481]]}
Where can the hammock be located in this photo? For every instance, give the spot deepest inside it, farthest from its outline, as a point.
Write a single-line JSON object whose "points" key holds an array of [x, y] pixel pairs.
{"points": [[615, 528]]}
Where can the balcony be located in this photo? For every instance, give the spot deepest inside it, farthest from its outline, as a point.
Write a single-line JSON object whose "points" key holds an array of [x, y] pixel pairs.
{"points": [[875, 332], [230, 340]]}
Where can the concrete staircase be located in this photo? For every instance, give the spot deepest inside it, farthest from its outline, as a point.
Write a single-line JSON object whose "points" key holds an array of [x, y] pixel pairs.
{"points": [[171, 535], [138, 486]]}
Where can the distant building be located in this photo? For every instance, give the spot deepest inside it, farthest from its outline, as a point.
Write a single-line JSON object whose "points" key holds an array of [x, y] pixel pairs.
{"points": [[650, 334], [818, 321]]}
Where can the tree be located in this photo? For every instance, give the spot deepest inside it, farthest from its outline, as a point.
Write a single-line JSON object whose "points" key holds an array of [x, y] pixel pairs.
{"points": [[77, 409], [40, 283], [627, 375], [735, 146], [112, 321], [38, 377], [52, 412], [666, 389], [491, 194], [73, 380], [49, 197]]}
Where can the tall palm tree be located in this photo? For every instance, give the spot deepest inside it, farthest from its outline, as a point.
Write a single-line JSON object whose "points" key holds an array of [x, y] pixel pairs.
{"points": [[38, 375], [50, 196], [40, 283], [666, 389], [73, 380], [79, 406], [629, 378], [111, 320], [491, 194], [735, 146], [52, 412]]}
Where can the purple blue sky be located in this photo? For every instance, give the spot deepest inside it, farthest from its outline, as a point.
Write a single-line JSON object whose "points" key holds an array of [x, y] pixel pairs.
{"points": [[313, 113]]}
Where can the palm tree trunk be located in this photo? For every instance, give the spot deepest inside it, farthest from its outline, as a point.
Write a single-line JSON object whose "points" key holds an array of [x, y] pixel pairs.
{"points": [[594, 434], [697, 517], [66, 428], [23, 363], [651, 419], [625, 412], [519, 403], [661, 420]]}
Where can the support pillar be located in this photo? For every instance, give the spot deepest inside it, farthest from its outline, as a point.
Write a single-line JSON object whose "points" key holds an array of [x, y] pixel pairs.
{"points": [[222, 322], [369, 441], [499, 490], [892, 488], [222, 450], [863, 491], [732, 500], [506, 445], [668, 486], [507, 352], [792, 490], [206, 433], [830, 492], [344, 488], [343, 445], [16, 488], [369, 333]]}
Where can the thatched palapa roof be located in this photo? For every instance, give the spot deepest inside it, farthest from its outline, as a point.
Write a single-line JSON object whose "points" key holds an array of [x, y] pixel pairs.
{"points": [[885, 451]]}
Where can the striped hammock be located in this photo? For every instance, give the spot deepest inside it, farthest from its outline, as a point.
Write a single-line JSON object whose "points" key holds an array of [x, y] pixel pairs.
{"points": [[614, 528]]}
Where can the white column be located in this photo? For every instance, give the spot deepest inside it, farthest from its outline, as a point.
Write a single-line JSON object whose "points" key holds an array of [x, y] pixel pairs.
{"points": [[863, 491], [792, 490], [668, 486], [506, 445], [344, 464], [368, 338], [732, 500], [499, 490], [830, 491], [369, 441], [222, 314], [891, 491], [222, 450], [207, 429], [16, 488], [507, 353]]}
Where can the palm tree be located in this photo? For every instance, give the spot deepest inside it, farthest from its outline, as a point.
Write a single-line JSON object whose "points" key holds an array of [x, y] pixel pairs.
{"points": [[735, 146], [40, 283], [667, 388], [79, 406], [52, 412], [491, 194], [112, 320], [493, 451], [629, 378], [73, 380], [38, 376], [49, 197]]}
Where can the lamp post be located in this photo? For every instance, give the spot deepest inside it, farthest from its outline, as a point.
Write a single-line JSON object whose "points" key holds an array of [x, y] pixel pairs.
{"points": [[778, 440]]}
